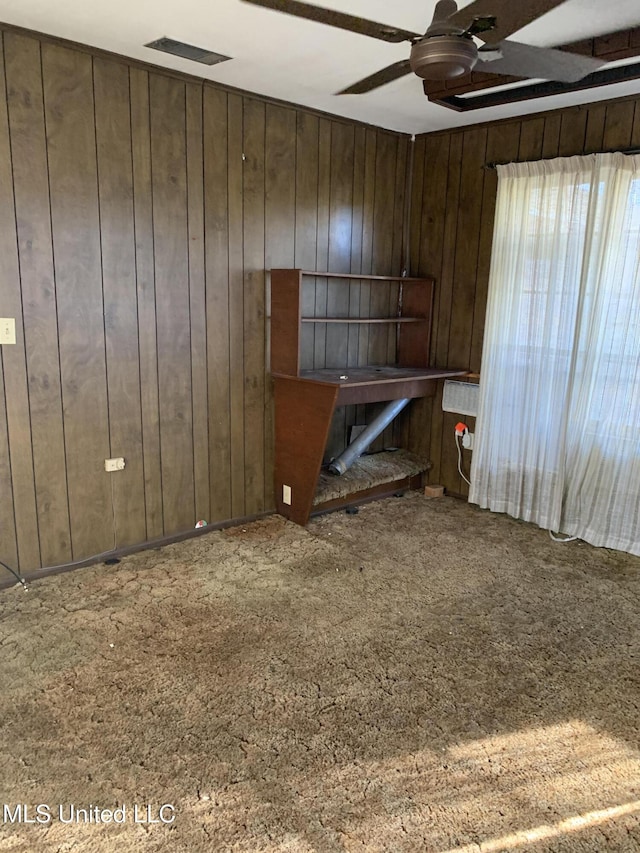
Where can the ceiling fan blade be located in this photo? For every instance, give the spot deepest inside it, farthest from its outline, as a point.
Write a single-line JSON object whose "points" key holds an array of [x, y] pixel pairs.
{"points": [[392, 72], [525, 60], [510, 16], [337, 19]]}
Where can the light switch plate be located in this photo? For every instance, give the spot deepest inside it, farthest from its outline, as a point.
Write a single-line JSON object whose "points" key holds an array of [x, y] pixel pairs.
{"points": [[286, 495], [7, 330]]}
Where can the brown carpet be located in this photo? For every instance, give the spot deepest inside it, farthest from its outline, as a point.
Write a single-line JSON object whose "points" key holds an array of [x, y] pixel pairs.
{"points": [[422, 676]]}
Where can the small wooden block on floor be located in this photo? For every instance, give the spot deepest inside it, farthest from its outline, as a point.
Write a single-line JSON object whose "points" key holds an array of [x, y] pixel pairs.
{"points": [[434, 491]]}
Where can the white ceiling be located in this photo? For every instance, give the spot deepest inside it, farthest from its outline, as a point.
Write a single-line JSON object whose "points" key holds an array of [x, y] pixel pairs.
{"points": [[304, 62]]}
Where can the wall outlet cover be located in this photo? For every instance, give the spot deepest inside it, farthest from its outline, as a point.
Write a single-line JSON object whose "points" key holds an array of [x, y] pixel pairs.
{"points": [[115, 464]]}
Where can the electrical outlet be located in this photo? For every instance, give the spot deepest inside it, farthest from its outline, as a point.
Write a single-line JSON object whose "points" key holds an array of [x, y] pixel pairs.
{"points": [[467, 440], [7, 330], [115, 464], [286, 495]]}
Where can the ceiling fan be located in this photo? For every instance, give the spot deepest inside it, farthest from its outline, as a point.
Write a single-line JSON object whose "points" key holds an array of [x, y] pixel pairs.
{"points": [[448, 50]]}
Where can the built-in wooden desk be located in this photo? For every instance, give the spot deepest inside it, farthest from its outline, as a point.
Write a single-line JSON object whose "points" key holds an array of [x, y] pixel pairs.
{"points": [[305, 400]]}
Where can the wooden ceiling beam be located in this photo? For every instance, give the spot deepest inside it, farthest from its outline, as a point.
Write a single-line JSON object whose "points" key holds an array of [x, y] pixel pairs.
{"points": [[609, 47]]}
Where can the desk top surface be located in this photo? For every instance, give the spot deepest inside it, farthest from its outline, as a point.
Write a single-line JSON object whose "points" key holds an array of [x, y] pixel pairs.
{"points": [[372, 375]]}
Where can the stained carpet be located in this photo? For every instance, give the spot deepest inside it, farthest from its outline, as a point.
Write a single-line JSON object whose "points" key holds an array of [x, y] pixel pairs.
{"points": [[422, 676]]}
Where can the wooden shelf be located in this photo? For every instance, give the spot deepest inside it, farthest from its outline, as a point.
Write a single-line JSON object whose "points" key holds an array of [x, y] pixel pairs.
{"points": [[351, 320], [374, 375], [355, 276], [305, 400]]}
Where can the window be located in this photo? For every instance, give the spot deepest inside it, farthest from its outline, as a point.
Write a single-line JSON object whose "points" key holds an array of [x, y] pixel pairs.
{"points": [[557, 434]]}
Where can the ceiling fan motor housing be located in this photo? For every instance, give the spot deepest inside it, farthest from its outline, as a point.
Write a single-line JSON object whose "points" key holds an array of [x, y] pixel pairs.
{"points": [[443, 57]]}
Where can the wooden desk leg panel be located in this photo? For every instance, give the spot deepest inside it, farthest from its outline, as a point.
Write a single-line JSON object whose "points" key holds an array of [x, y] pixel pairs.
{"points": [[303, 413]]}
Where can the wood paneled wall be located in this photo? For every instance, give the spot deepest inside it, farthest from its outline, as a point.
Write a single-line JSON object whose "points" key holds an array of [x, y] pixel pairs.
{"points": [[453, 204], [138, 214]]}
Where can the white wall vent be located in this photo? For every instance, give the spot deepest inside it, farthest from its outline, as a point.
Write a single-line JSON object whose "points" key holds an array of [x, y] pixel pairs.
{"points": [[460, 397]]}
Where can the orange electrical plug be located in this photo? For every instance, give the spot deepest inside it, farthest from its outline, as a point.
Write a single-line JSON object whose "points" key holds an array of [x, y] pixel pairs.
{"points": [[461, 428]]}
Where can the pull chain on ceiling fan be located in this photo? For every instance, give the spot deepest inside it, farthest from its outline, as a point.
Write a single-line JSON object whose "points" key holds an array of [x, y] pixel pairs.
{"points": [[448, 50]]}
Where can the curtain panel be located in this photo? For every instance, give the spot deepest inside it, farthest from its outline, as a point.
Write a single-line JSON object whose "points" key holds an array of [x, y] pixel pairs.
{"points": [[558, 428]]}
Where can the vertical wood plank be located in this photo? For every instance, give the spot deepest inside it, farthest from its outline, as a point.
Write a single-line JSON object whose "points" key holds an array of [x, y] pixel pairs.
{"points": [[417, 202], [8, 541], [465, 285], [357, 215], [398, 247], [352, 413], [12, 496], [340, 224], [306, 224], [236, 304], [432, 224], [595, 128], [14, 362], [573, 128], [635, 132], [369, 196], [433, 198], [395, 435], [322, 240], [438, 441], [466, 261], [618, 125], [502, 144], [169, 182], [146, 299], [217, 298], [31, 188], [69, 111], [400, 253], [551, 136], [254, 304], [382, 257], [338, 291], [384, 207], [117, 239], [195, 202], [531, 135], [415, 422], [385, 171], [444, 303], [280, 218], [489, 194]]}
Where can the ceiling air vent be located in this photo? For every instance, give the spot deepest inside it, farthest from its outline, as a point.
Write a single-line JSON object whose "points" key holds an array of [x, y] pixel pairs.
{"points": [[187, 51]]}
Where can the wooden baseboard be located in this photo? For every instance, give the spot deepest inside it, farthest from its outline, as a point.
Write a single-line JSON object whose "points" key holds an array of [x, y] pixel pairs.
{"points": [[117, 553]]}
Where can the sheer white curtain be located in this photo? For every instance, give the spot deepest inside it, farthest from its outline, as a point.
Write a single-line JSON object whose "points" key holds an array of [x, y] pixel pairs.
{"points": [[558, 429]]}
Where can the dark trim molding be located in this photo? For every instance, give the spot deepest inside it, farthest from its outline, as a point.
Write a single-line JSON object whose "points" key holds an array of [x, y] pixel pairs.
{"points": [[151, 544], [608, 151], [620, 74]]}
